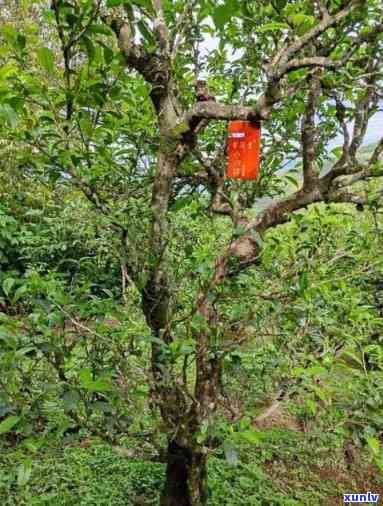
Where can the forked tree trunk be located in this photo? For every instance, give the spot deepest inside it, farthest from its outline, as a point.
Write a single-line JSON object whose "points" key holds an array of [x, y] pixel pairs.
{"points": [[186, 477]]}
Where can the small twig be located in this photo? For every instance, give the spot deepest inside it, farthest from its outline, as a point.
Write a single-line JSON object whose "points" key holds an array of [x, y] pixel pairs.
{"points": [[77, 323]]}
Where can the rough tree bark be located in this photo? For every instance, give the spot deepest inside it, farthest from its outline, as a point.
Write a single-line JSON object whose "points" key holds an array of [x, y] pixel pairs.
{"points": [[186, 477]]}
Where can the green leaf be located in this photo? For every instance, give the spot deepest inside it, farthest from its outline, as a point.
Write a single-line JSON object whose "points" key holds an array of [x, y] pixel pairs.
{"points": [[221, 16], [231, 453], [311, 407], [19, 293], [9, 33], [377, 167], [7, 285], [21, 41], [252, 436], [223, 13], [146, 33], [337, 152], [70, 400], [302, 22], [33, 444], [146, 4], [86, 126], [9, 114], [297, 19], [98, 385], [303, 282], [292, 180], [7, 424], [257, 237], [100, 28], [89, 47], [108, 54], [48, 347], [86, 376], [181, 202], [46, 59], [353, 357], [115, 3], [240, 230], [374, 444], [273, 27], [24, 472], [7, 70]]}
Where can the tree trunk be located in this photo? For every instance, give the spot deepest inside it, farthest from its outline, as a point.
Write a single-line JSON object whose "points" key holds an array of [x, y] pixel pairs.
{"points": [[186, 477]]}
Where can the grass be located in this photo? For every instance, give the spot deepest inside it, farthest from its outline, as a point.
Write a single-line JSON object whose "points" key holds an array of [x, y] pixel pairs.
{"points": [[286, 471]]}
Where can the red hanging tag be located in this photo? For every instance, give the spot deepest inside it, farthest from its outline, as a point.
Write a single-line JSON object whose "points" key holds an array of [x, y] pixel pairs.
{"points": [[243, 149]]}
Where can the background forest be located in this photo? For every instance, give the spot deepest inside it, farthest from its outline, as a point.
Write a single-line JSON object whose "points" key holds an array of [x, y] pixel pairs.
{"points": [[167, 335]]}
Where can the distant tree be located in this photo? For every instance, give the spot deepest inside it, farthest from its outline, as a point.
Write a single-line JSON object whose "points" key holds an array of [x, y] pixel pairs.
{"points": [[141, 132]]}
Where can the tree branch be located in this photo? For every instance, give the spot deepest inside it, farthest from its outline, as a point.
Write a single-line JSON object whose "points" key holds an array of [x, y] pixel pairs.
{"points": [[364, 108], [160, 27], [308, 134], [135, 55], [280, 63], [181, 26], [367, 172]]}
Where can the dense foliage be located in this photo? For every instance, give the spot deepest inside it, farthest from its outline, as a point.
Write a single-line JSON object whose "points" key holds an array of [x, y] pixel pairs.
{"points": [[148, 305]]}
